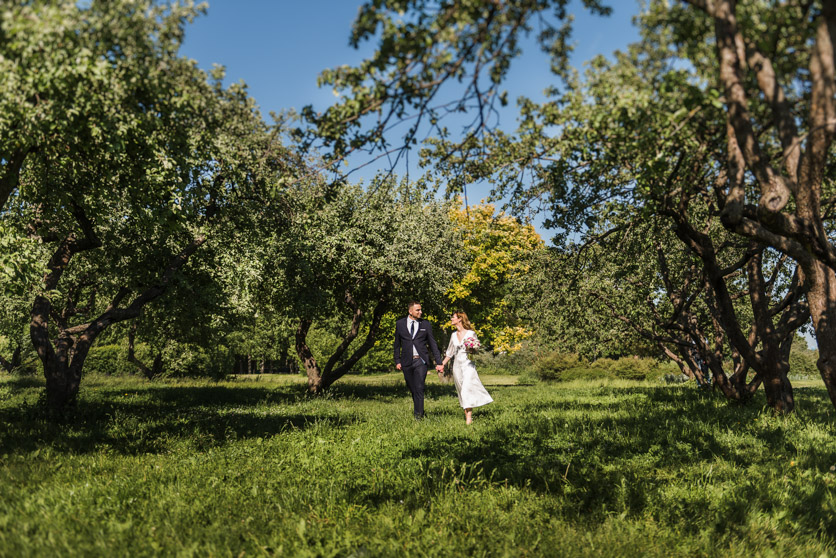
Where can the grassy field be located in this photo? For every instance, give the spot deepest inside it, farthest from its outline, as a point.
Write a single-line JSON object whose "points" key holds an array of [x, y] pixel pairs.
{"points": [[253, 467]]}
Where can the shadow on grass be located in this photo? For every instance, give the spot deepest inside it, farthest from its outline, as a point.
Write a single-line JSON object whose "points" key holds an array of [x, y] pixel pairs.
{"points": [[151, 419], [18, 383], [621, 456], [392, 391]]}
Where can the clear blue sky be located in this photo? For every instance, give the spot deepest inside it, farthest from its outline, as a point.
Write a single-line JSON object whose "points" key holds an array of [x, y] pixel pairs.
{"points": [[278, 47]]}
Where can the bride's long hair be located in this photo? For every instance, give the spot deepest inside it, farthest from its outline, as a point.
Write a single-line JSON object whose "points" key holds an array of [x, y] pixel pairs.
{"points": [[463, 317]]}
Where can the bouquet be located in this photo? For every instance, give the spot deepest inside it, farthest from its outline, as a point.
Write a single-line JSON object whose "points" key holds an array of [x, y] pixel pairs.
{"points": [[471, 345]]}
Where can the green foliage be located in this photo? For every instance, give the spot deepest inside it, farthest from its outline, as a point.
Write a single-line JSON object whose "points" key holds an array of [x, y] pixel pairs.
{"points": [[180, 360], [572, 470], [29, 363], [108, 360], [189, 360], [123, 157], [385, 245], [535, 363], [497, 249], [515, 363], [349, 260], [803, 360], [558, 366], [632, 368]]}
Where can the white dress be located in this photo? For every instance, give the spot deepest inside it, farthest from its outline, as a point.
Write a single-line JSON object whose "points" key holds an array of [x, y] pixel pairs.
{"points": [[470, 389]]}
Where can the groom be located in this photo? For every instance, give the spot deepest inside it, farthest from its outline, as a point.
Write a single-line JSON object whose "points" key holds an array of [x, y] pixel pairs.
{"points": [[412, 335]]}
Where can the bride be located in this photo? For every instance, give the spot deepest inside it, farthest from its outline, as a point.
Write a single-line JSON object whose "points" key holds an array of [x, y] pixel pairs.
{"points": [[471, 391]]}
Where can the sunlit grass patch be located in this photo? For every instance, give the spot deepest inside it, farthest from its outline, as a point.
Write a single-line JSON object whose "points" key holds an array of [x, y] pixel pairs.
{"points": [[262, 468]]}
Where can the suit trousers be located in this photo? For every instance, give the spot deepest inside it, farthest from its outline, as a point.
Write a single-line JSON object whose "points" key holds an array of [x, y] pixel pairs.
{"points": [[415, 374]]}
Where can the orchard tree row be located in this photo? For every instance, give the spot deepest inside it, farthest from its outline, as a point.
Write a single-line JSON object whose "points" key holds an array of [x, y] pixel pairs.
{"points": [[689, 179], [688, 182], [144, 201]]}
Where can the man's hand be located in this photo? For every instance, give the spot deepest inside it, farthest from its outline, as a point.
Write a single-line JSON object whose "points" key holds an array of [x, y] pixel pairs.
{"points": [[439, 368], [398, 366]]}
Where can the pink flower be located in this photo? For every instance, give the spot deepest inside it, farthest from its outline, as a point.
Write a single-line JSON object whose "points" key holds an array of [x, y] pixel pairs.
{"points": [[471, 344]]}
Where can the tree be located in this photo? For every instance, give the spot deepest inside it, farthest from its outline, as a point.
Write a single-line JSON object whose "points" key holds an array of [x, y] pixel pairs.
{"points": [[775, 68], [424, 46], [497, 249], [349, 257], [637, 143], [123, 156]]}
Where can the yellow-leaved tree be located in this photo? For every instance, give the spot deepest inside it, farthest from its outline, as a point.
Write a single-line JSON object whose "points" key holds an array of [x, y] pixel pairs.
{"points": [[497, 247]]}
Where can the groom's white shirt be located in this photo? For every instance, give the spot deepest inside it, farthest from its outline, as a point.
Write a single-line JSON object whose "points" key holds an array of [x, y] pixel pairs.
{"points": [[409, 321]]}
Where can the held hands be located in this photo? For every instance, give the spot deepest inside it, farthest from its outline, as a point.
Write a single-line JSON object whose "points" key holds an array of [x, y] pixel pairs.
{"points": [[439, 368]]}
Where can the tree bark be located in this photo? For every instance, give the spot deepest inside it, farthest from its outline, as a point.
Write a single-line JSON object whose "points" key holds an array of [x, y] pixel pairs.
{"points": [[306, 356], [822, 298], [320, 379], [156, 368], [63, 359], [10, 365]]}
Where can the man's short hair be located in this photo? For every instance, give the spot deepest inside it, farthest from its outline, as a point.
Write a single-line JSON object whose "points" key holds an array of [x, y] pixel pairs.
{"points": [[412, 303]]}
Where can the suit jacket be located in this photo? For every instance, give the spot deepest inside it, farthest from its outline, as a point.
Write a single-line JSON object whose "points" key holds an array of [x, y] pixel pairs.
{"points": [[423, 337]]}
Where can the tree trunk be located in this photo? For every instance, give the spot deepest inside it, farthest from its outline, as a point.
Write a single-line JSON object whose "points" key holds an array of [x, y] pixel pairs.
{"points": [[156, 368], [316, 384], [778, 389], [63, 360], [320, 380], [10, 365], [61, 386], [822, 299]]}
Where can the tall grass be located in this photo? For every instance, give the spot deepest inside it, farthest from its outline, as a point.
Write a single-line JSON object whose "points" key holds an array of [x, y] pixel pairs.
{"points": [[259, 468]]}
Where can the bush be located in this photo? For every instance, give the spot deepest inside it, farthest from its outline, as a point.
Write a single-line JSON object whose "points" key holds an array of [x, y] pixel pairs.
{"points": [[193, 361], [109, 360], [586, 372], [803, 362], [518, 363], [564, 367], [179, 360], [555, 366], [31, 366], [630, 368], [378, 359], [634, 368], [528, 378]]}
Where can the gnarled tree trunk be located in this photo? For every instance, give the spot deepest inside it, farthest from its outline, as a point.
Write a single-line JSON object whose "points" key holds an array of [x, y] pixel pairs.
{"points": [[321, 378], [10, 365], [155, 369], [63, 359], [822, 298]]}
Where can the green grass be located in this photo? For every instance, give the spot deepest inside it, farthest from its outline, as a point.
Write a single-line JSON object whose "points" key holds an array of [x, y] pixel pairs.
{"points": [[254, 467]]}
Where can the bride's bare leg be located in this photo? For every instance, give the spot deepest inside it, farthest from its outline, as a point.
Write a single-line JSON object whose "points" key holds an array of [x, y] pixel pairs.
{"points": [[468, 416]]}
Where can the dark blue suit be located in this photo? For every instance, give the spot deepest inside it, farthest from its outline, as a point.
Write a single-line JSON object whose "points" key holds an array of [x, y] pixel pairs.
{"points": [[415, 369]]}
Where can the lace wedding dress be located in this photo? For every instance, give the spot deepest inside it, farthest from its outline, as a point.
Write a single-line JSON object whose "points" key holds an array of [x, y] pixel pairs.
{"points": [[470, 389]]}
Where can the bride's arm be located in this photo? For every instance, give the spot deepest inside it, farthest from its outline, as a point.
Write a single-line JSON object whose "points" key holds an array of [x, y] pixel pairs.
{"points": [[451, 351]]}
